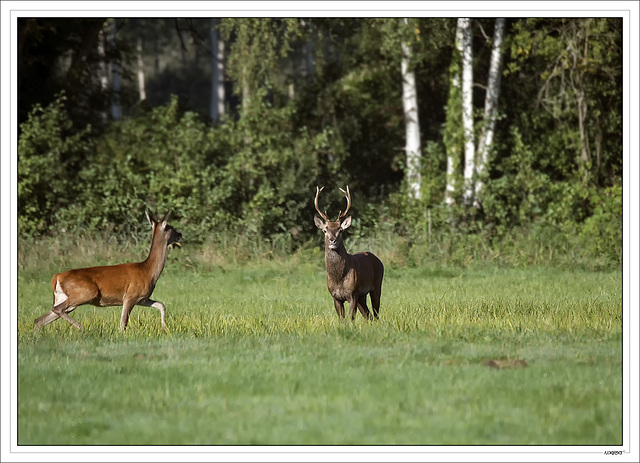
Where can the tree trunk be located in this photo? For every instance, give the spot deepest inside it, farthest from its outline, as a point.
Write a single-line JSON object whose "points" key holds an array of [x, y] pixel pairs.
{"points": [[103, 74], [464, 43], [450, 190], [291, 88], [412, 124], [584, 142], [156, 57], [141, 90], [216, 110], [490, 108], [246, 91], [453, 135], [116, 112]]}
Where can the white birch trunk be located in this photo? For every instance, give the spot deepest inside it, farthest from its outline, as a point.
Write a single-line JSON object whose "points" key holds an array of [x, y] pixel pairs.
{"points": [[141, 89], [412, 124], [490, 107], [450, 190], [216, 109], [466, 51], [291, 88], [103, 73], [452, 160]]}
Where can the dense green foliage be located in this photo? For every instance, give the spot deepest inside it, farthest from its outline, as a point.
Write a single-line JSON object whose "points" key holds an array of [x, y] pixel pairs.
{"points": [[551, 182], [254, 354]]}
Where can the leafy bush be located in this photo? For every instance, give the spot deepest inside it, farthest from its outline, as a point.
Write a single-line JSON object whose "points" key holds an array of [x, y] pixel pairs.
{"points": [[48, 154], [242, 176], [602, 232], [246, 188]]}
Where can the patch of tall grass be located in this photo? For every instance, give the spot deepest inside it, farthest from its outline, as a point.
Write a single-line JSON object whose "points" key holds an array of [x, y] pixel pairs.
{"points": [[437, 247]]}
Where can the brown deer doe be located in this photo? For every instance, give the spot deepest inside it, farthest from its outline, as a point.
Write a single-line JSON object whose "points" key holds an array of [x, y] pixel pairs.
{"points": [[124, 284], [350, 277]]}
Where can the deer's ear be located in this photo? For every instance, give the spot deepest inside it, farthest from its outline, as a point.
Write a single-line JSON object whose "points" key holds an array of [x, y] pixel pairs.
{"points": [[319, 223], [166, 219], [346, 223], [149, 218]]}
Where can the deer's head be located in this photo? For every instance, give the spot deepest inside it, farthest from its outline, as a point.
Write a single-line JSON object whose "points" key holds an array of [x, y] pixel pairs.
{"points": [[333, 229], [167, 232]]}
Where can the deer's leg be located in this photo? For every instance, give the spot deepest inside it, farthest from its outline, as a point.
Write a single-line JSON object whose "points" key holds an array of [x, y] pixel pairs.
{"points": [[362, 306], [158, 305], [126, 310], [375, 303], [353, 304], [45, 319], [65, 316], [59, 311], [61, 306], [339, 305]]}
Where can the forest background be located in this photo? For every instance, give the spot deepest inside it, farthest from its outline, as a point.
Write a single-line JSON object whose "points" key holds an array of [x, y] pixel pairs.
{"points": [[233, 122]]}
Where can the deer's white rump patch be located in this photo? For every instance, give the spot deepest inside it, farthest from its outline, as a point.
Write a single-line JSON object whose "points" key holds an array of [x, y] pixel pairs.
{"points": [[59, 295]]}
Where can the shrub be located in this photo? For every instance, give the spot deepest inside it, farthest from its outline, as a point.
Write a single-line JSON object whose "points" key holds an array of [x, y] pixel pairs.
{"points": [[48, 155], [602, 232], [244, 176], [250, 183]]}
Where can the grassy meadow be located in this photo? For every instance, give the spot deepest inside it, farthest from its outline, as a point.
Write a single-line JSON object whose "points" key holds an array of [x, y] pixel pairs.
{"points": [[255, 354]]}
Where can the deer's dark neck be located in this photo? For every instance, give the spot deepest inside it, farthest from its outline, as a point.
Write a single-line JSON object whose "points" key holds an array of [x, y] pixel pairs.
{"points": [[154, 264], [337, 262]]}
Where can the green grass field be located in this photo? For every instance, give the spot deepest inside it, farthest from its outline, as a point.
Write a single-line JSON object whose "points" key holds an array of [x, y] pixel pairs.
{"points": [[255, 354]]}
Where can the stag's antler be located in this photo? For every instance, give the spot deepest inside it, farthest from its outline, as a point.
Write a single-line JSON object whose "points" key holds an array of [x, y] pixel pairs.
{"points": [[341, 215], [348, 196], [324, 216]]}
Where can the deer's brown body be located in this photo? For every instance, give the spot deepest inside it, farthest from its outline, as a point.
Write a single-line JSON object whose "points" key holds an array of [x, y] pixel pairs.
{"points": [[350, 277], [124, 284]]}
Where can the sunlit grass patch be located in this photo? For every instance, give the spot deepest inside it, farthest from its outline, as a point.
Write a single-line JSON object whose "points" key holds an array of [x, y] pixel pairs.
{"points": [[255, 354]]}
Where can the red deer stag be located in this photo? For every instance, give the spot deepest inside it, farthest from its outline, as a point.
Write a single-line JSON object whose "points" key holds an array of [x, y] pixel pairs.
{"points": [[124, 284], [350, 277]]}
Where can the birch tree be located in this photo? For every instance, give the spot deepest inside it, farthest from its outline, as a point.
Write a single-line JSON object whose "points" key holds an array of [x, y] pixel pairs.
{"points": [[453, 135], [412, 124], [465, 47], [216, 110], [103, 74], [460, 113], [490, 108], [142, 94]]}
